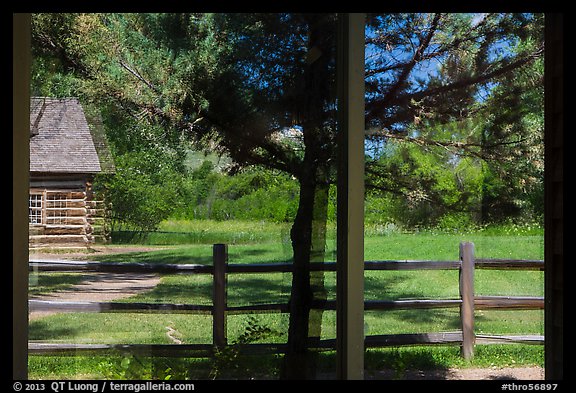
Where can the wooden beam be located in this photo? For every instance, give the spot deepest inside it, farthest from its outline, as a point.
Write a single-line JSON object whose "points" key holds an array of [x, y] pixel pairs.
{"points": [[219, 295], [509, 264], [21, 59], [117, 307], [467, 296], [509, 302], [113, 267], [554, 195], [529, 339], [45, 265], [350, 194], [392, 340]]}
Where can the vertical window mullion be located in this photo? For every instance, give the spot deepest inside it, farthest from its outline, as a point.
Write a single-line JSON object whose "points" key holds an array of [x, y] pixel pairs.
{"points": [[350, 232]]}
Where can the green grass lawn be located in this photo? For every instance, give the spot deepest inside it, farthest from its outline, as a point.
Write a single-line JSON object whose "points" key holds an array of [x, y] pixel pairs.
{"points": [[269, 243]]}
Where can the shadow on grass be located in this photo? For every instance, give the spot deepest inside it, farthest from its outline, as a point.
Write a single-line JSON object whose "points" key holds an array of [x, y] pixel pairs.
{"points": [[161, 257], [386, 287], [45, 329], [178, 289], [408, 363], [237, 255], [391, 364], [448, 318], [251, 289], [196, 255]]}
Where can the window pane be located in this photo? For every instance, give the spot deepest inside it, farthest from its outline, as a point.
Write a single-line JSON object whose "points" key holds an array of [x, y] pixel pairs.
{"points": [[223, 129], [453, 155], [35, 209]]}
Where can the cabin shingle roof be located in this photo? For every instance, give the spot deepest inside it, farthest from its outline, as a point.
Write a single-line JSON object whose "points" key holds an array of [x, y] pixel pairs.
{"points": [[60, 138]]}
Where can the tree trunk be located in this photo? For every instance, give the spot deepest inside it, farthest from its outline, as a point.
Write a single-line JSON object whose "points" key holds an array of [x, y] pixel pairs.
{"points": [[318, 254], [296, 360], [308, 233]]}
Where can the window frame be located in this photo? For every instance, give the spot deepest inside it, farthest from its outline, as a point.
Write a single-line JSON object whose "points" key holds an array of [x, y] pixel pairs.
{"points": [[33, 195], [554, 201]]}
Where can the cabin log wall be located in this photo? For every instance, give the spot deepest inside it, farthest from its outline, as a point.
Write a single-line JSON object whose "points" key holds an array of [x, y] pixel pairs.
{"points": [[71, 217]]}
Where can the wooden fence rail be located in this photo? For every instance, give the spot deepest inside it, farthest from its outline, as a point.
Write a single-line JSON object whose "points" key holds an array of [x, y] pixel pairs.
{"points": [[219, 309]]}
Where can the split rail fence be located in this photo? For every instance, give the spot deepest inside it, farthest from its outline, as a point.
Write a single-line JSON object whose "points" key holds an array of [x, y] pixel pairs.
{"points": [[467, 303]]}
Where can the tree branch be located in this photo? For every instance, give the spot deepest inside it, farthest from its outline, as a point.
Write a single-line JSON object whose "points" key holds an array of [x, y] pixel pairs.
{"points": [[409, 66], [139, 76], [376, 107], [478, 79], [451, 46], [451, 146], [276, 157]]}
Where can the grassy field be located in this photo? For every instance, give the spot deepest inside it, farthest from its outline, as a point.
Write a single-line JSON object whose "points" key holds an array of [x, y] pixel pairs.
{"points": [[263, 242]]}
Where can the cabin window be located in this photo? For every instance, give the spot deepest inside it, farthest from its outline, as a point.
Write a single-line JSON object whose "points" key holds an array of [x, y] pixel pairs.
{"points": [[35, 209], [57, 208]]}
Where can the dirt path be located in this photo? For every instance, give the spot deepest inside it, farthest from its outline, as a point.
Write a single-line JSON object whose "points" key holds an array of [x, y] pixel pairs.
{"points": [[101, 287], [97, 287]]}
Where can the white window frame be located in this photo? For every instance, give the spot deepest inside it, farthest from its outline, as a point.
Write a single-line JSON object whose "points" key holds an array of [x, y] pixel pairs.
{"points": [[36, 208], [56, 206]]}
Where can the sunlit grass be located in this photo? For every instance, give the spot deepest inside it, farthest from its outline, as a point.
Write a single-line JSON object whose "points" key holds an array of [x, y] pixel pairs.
{"points": [[274, 246]]}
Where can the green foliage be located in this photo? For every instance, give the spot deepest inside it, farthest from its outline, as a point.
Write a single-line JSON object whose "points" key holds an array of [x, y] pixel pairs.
{"points": [[132, 367], [456, 222], [430, 184], [474, 149], [256, 194], [199, 231], [230, 359], [144, 190], [467, 132]]}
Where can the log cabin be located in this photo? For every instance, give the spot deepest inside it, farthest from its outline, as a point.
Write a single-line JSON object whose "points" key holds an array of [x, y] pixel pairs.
{"points": [[66, 153]]}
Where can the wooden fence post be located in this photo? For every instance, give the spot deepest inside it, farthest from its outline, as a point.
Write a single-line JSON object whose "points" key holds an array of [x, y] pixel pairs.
{"points": [[467, 296], [219, 295]]}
